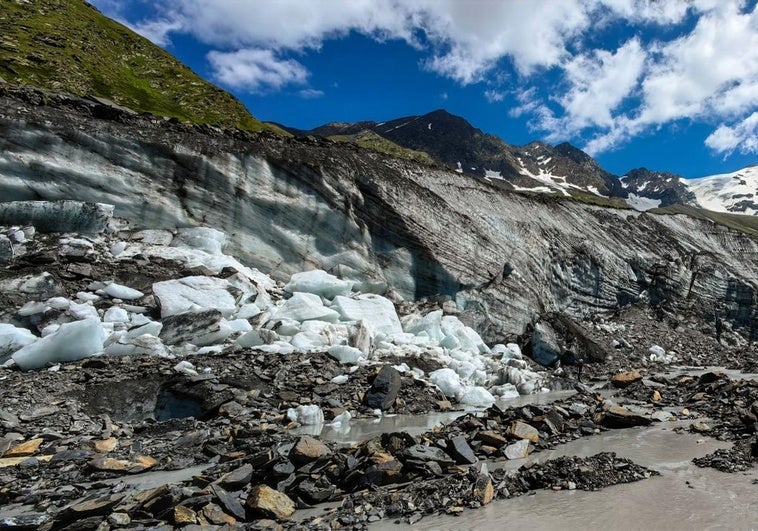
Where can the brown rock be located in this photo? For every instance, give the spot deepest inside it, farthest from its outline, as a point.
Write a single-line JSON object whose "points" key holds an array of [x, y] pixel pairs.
{"points": [[656, 396], [492, 438], [24, 449], [215, 515], [108, 445], [271, 503], [308, 449], [140, 464], [616, 417], [522, 430], [625, 379], [184, 515], [483, 492]]}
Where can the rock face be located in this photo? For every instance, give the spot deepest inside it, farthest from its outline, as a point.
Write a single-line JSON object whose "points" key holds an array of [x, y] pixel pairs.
{"points": [[290, 205]]}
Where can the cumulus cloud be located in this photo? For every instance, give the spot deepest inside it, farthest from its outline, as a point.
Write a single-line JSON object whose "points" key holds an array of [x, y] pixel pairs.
{"points": [[310, 94], [742, 136], [254, 70], [704, 66]]}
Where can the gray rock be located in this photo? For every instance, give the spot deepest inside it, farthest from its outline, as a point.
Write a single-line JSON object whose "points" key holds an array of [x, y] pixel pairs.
{"points": [[517, 450], [384, 389], [460, 450]]}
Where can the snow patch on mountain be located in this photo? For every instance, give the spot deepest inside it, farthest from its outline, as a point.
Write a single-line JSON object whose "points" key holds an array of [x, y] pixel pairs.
{"points": [[641, 203], [735, 192]]}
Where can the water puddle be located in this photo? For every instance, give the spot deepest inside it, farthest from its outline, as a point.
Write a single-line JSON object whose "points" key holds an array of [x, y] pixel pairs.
{"points": [[682, 497]]}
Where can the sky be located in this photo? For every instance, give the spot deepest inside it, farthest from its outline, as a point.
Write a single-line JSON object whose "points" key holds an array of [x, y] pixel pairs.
{"points": [[671, 85]]}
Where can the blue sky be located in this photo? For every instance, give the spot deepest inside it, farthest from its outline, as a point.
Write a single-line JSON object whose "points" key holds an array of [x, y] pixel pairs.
{"points": [[669, 85]]}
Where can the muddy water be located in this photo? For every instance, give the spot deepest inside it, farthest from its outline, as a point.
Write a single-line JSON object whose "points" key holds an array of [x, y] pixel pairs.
{"points": [[682, 497]]}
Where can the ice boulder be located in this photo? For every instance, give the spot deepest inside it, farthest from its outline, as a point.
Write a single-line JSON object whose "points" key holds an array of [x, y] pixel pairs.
{"points": [[115, 314], [305, 307], [306, 415], [658, 355], [72, 341], [319, 282], [377, 313], [345, 354], [13, 339], [143, 345], [431, 324], [203, 238], [466, 338], [448, 381], [117, 291], [477, 396], [194, 294]]}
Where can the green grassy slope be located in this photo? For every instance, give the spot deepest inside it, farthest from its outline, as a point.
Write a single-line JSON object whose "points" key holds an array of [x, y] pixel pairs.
{"points": [[371, 140], [742, 223], [68, 45]]}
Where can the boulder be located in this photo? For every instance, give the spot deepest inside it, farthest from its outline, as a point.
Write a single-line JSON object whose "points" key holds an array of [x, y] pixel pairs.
{"points": [[625, 379], [264, 500], [384, 389]]}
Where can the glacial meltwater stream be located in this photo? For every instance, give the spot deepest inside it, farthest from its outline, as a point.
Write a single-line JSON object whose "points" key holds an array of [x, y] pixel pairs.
{"points": [[683, 497]]}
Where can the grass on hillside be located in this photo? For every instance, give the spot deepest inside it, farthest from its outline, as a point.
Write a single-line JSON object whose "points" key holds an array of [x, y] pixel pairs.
{"points": [[68, 45], [371, 140], [742, 223]]}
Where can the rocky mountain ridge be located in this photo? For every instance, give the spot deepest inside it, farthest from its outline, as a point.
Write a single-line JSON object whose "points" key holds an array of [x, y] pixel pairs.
{"points": [[562, 169]]}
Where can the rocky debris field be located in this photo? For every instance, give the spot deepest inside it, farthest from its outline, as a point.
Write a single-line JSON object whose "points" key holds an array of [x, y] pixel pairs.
{"points": [[148, 380]]}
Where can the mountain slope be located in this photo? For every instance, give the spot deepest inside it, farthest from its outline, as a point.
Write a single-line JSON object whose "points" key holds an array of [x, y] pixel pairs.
{"points": [[69, 45], [731, 192], [452, 140]]}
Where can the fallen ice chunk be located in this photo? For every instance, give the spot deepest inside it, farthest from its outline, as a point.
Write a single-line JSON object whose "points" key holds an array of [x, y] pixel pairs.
{"points": [[339, 380], [118, 248], [430, 324], [478, 397], [307, 341], [143, 345], [310, 415], [193, 294], [304, 307], [33, 308], [83, 311], [247, 311], [151, 327], [319, 282], [72, 341], [185, 367], [448, 381], [239, 325], [658, 355], [376, 312], [13, 339], [345, 354], [250, 339], [115, 314], [117, 291], [341, 422]]}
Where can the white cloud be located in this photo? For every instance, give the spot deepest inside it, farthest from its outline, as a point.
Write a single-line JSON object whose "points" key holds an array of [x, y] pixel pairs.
{"points": [[742, 137], [254, 70], [704, 66], [310, 93], [494, 96], [157, 31]]}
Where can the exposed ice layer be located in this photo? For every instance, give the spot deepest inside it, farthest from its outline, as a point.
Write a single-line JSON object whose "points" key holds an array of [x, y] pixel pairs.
{"points": [[377, 313], [305, 307], [143, 345], [57, 216], [194, 294], [117, 291], [72, 341], [13, 339], [203, 238], [151, 327], [319, 282]]}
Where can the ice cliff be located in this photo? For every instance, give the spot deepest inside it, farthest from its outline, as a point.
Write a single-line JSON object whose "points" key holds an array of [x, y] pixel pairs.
{"points": [[389, 225]]}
